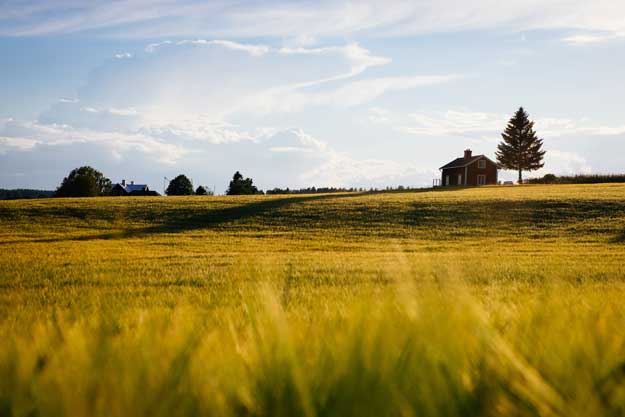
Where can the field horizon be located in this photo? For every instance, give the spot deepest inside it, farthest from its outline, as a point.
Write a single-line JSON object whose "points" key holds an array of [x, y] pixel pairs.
{"points": [[473, 301]]}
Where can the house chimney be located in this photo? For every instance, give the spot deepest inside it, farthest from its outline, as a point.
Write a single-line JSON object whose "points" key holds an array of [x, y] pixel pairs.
{"points": [[467, 154], [123, 183]]}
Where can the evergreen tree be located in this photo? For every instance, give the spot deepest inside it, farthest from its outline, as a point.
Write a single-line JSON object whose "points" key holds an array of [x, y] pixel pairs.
{"points": [[520, 150], [200, 190], [84, 182], [241, 186], [181, 185]]}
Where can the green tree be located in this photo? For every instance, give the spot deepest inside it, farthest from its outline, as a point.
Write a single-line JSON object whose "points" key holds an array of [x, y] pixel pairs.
{"points": [[520, 150], [84, 182], [200, 190], [241, 186], [181, 185]]}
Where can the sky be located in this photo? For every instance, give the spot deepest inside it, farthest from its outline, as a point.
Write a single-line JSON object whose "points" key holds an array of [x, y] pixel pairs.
{"points": [[303, 93]]}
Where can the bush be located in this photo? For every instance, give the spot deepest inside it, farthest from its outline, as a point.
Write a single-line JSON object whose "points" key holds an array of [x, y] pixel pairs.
{"points": [[202, 190], [550, 179]]}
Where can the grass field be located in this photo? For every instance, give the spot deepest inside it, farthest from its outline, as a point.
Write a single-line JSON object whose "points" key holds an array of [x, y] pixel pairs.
{"points": [[477, 302]]}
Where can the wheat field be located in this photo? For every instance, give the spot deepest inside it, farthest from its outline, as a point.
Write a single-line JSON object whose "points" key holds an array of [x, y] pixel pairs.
{"points": [[471, 302]]}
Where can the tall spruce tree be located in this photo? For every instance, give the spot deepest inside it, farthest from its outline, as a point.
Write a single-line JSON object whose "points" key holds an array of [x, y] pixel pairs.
{"points": [[520, 150]]}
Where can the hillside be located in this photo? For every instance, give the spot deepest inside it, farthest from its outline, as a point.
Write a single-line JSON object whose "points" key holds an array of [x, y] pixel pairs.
{"points": [[482, 301]]}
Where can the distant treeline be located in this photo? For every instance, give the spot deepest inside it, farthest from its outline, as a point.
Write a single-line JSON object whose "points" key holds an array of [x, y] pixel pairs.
{"points": [[24, 193], [578, 179], [312, 190], [326, 190]]}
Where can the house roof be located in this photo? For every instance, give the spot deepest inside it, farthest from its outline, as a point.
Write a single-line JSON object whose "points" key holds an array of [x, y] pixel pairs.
{"points": [[463, 162], [129, 188]]}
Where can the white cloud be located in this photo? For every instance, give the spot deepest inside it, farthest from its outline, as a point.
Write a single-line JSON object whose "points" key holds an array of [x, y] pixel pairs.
{"points": [[264, 80], [123, 112], [379, 115], [449, 123], [28, 135], [482, 124], [200, 128], [151, 48], [363, 91], [323, 18], [288, 149], [309, 161], [254, 50], [594, 38], [354, 93], [125, 55], [341, 170], [556, 127], [81, 115], [276, 157], [20, 144], [564, 163], [359, 57]]}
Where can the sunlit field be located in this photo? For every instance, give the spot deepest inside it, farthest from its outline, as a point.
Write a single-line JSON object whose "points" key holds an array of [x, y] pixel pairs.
{"points": [[494, 301]]}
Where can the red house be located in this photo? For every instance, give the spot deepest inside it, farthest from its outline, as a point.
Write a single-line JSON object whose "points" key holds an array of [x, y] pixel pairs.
{"points": [[469, 170]]}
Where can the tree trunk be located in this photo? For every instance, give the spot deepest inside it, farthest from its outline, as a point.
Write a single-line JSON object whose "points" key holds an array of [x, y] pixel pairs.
{"points": [[520, 177]]}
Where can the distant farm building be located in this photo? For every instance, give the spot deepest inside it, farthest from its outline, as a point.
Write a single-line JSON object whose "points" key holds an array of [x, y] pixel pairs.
{"points": [[470, 170], [123, 188]]}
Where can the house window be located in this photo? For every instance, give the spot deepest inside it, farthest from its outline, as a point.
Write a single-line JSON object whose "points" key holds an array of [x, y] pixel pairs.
{"points": [[459, 179], [481, 180], [481, 164]]}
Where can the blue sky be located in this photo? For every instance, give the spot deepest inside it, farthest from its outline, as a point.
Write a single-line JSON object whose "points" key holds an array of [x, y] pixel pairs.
{"points": [[326, 93]]}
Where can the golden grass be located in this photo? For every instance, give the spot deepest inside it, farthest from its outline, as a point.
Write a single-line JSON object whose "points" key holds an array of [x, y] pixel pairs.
{"points": [[489, 301]]}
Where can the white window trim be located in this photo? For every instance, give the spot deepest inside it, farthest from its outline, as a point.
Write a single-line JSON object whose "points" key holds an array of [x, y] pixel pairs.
{"points": [[481, 164], [481, 177]]}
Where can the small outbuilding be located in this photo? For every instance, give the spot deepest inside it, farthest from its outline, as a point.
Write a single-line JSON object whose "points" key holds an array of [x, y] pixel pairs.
{"points": [[470, 170], [123, 188]]}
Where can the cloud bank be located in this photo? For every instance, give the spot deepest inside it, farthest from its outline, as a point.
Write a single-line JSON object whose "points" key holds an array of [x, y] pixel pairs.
{"points": [[170, 107]]}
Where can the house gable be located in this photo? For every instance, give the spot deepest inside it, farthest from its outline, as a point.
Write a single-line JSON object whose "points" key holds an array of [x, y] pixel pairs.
{"points": [[464, 162]]}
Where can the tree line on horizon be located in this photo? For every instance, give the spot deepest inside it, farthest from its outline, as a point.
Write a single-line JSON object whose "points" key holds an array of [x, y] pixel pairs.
{"points": [[24, 193], [86, 181]]}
